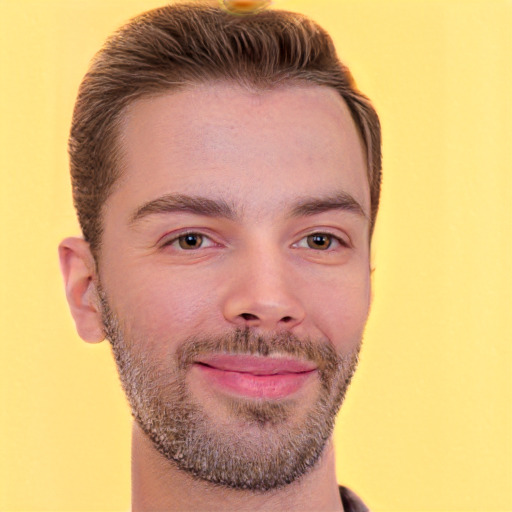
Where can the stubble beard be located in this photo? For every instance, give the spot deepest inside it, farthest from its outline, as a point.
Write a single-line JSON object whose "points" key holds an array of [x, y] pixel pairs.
{"points": [[261, 444]]}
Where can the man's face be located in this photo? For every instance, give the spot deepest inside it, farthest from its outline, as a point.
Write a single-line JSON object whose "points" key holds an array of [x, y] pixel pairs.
{"points": [[235, 275]]}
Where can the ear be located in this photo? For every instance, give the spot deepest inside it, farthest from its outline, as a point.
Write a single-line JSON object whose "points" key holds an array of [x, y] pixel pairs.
{"points": [[79, 273]]}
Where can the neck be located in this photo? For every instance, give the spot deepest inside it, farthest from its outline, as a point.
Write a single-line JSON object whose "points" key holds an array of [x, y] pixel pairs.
{"points": [[158, 485]]}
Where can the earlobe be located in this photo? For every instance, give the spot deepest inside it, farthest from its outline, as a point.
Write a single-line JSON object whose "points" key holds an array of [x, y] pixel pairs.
{"points": [[79, 273]]}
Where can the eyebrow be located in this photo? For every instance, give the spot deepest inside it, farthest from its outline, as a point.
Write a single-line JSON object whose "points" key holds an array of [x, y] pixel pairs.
{"points": [[199, 205], [173, 203], [338, 201]]}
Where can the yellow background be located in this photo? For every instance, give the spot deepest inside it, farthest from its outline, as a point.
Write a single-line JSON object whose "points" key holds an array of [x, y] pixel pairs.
{"points": [[427, 422]]}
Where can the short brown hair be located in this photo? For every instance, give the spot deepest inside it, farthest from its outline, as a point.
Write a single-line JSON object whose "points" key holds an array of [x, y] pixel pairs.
{"points": [[183, 44]]}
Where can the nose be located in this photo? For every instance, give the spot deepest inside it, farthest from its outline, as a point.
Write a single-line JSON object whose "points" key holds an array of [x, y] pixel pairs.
{"points": [[262, 294]]}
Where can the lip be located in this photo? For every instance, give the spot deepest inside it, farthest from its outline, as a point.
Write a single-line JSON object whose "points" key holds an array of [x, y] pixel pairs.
{"points": [[255, 376], [257, 365]]}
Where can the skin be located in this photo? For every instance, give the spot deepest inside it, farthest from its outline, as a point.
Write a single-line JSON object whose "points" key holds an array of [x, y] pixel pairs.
{"points": [[262, 153]]}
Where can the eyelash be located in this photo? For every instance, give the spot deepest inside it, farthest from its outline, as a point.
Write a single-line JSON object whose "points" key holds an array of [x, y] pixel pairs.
{"points": [[333, 238], [176, 239]]}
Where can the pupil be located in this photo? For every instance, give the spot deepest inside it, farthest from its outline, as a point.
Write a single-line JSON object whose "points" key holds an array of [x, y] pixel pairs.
{"points": [[190, 241], [320, 241]]}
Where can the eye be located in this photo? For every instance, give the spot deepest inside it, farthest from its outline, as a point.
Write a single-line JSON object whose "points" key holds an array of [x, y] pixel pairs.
{"points": [[189, 242], [320, 241]]}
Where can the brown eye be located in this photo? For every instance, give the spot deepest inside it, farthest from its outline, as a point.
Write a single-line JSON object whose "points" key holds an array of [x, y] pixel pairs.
{"points": [[190, 241], [319, 241]]}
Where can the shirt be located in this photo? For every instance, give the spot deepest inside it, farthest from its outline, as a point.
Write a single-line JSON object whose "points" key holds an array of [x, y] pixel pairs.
{"points": [[351, 501]]}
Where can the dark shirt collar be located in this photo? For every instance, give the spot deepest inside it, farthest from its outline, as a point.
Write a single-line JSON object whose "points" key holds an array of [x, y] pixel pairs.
{"points": [[351, 501]]}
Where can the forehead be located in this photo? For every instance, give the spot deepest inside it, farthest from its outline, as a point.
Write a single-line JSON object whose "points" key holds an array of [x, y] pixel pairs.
{"points": [[232, 142]]}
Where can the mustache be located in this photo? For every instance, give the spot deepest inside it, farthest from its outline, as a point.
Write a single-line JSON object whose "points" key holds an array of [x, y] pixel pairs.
{"points": [[247, 342], [242, 341]]}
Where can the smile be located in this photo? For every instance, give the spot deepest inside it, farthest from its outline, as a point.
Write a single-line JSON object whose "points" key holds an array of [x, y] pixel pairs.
{"points": [[254, 376]]}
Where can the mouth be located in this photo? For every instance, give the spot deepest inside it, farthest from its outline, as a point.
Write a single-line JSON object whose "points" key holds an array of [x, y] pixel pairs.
{"points": [[255, 376]]}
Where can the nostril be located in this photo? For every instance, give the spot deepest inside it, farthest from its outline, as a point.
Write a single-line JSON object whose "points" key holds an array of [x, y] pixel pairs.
{"points": [[249, 316], [286, 319]]}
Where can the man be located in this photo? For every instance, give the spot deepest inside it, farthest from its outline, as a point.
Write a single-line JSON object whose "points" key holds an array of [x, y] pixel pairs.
{"points": [[226, 175]]}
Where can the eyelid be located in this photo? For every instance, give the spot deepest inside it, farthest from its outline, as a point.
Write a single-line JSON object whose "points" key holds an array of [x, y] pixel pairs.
{"points": [[343, 241], [173, 236], [170, 238]]}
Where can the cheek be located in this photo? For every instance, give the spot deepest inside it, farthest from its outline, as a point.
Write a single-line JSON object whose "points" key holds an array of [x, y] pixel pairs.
{"points": [[342, 311], [167, 305]]}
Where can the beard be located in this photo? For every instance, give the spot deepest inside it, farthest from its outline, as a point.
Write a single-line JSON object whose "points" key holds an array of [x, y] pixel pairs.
{"points": [[258, 444]]}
